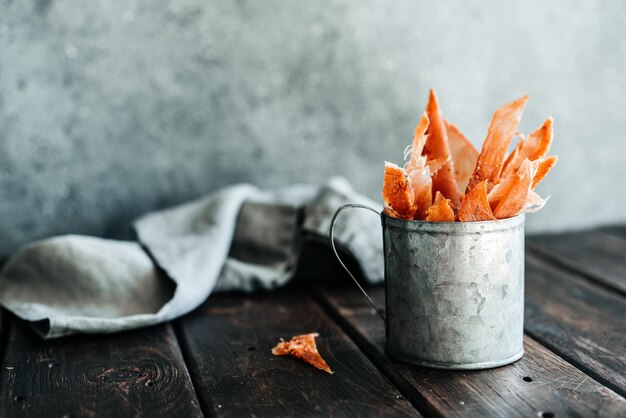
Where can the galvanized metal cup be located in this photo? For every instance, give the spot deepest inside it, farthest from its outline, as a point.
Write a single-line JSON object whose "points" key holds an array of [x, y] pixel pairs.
{"points": [[454, 291]]}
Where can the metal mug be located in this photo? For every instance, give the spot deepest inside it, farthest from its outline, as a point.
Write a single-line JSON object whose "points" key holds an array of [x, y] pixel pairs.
{"points": [[454, 291]]}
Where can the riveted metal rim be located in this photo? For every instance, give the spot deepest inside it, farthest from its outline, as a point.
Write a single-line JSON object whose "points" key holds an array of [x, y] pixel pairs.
{"points": [[454, 227]]}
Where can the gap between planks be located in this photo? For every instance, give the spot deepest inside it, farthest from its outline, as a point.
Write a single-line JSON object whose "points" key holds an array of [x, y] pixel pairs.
{"points": [[4, 334], [534, 246], [577, 364], [227, 344], [557, 262], [206, 409], [139, 373], [549, 286], [411, 393], [425, 402]]}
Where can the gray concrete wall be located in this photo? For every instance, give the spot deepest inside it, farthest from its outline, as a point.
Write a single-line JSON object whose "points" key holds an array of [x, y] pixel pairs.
{"points": [[112, 108]]}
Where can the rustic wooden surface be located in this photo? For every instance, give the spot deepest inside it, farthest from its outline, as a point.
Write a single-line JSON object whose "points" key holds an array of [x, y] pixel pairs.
{"points": [[598, 255], [516, 390], [217, 361], [227, 343], [618, 230], [584, 324], [139, 374]]}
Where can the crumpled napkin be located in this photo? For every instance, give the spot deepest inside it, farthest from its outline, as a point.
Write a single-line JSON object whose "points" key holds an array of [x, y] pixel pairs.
{"points": [[238, 238]]}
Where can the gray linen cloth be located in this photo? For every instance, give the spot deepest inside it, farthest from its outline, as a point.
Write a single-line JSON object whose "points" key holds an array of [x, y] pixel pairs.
{"points": [[238, 238]]}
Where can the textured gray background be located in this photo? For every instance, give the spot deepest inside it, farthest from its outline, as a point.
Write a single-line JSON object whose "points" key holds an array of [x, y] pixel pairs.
{"points": [[109, 109]]}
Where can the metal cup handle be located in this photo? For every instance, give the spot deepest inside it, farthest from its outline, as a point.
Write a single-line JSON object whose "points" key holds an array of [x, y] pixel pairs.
{"points": [[332, 243]]}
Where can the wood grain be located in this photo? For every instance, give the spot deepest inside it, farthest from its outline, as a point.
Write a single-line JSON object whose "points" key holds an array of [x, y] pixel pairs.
{"points": [[227, 344], [4, 328], [617, 230], [595, 254], [136, 374], [583, 323], [540, 384]]}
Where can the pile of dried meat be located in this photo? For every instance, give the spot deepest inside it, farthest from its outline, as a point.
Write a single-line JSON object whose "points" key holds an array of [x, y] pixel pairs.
{"points": [[445, 178]]}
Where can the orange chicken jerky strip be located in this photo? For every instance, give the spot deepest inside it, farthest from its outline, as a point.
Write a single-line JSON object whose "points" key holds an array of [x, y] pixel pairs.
{"points": [[398, 195], [439, 198], [475, 206], [418, 172], [516, 195], [499, 190], [302, 347], [535, 202], [513, 161], [441, 210], [537, 144], [501, 130], [540, 168], [437, 147], [464, 156], [436, 164], [533, 147]]}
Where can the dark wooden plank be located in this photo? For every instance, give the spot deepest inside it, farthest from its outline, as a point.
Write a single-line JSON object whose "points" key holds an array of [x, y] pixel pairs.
{"points": [[583, 323], [540, 384], [228, 341], [617, 230], [4, 335], [598, 255], [137, 374]]}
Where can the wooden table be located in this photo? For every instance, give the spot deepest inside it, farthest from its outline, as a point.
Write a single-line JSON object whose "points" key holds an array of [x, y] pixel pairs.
{"points": [[217, 361]]}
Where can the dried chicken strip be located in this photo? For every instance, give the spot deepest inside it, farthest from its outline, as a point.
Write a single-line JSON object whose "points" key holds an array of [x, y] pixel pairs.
{"points": [[534, 146], [439, 198], [464, 155], [540, 169], [437, 147], [499, 190], [496, 187], [534, 202], [501, 130], [398, 193], [441, 210], [436, 164], [418, 172], [475, 206], [537, 144], [513, 161], [302, 347], [515, 197]]}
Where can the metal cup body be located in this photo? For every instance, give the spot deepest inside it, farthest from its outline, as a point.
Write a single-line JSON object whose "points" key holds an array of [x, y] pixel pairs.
{"points": [[455, 292]]}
